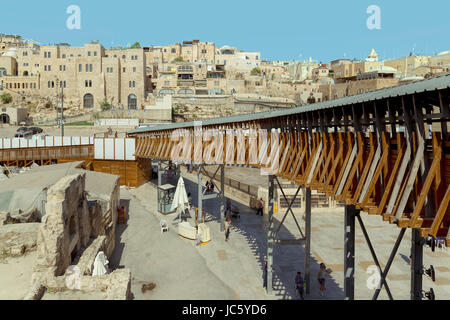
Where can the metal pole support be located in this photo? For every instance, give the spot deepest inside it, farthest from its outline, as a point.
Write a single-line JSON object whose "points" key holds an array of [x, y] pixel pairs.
{"points": [[270, 234], [308, 240], [416, 265], [222, 197], [159, 173], [349, 251], [200, 194]]}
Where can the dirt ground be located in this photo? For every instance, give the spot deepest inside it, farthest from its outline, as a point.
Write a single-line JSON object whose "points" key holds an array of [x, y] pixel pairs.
{"points": [[15, 276]]}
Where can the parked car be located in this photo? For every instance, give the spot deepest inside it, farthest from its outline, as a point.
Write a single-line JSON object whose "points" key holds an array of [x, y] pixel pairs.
{"points": [[26, 135], [36, 130], [22, 129]]}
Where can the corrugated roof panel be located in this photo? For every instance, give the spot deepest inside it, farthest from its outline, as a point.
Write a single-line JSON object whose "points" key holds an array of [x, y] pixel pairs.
{"points": [[437, 83]]}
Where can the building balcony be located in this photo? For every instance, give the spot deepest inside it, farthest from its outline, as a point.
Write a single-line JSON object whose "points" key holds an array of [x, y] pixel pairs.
{"points": [[201, 83], [185, 83]]}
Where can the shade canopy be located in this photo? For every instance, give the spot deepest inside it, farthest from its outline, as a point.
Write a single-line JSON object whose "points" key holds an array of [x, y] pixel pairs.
{"points": [[180, 199]]}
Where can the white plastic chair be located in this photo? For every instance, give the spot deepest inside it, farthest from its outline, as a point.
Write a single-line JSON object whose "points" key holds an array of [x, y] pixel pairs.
{"points": [[164, 226]]}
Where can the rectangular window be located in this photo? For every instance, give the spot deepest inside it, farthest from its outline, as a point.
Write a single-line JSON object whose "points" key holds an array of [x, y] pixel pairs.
{"points": [[90, 68], [87, 68], [134, 69], [80, 68], [95, 53], [89, 53], [49, 55], [60, 68], [124, 69]]}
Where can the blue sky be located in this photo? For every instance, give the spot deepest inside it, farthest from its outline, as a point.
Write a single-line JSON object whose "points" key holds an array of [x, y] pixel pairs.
{"points": [[279, 29]]}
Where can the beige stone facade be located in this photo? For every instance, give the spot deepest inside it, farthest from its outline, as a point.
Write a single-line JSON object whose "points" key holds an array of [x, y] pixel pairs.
{"points": [[89, 74], [405, 66]]}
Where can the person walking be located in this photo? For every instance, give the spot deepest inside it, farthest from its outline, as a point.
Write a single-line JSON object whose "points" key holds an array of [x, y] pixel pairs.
{"points": [[228, 209], [260, 207], [227, 229], [321, 278], [299, 284]]}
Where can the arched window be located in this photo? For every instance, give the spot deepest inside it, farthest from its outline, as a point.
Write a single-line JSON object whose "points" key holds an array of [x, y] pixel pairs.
{"points": [[165, 92], [88, 101], [185, 91], [4, 118], [132, 101], [25, 73]]}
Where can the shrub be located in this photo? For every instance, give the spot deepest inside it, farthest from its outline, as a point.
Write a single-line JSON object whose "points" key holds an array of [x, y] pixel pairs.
{"points": [[6, 98], [178, 59], [256, 72]]}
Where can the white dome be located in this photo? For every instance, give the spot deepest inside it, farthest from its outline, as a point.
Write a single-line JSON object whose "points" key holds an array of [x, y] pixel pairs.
{"points": [[444, 53]]}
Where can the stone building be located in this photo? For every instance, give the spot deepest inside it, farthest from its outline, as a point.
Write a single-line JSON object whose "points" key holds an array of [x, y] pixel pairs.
{"points": [[13, 116], [89, 74], [405, 66]]}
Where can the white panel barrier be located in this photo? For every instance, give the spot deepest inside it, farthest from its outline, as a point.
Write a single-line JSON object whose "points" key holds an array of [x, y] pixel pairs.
{"points": [[104, 148], [130, 149], [109, 149], [114, 149], [44, 141], [117, 122], [67, 141], [98, 149], [119, 149]]}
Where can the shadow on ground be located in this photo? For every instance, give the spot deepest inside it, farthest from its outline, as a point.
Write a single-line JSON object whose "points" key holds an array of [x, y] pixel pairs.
{"points": [[288, 260]]}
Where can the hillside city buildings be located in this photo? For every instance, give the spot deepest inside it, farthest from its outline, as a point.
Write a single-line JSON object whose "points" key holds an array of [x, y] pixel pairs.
{"points": [[92, 75]]}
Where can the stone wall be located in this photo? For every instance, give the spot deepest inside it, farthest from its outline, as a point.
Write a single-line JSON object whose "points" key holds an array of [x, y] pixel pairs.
{"points": [[65, 227]]}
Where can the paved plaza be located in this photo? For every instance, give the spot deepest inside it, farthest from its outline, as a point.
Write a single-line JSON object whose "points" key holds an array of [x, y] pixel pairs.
{"points": [[234, 269]]}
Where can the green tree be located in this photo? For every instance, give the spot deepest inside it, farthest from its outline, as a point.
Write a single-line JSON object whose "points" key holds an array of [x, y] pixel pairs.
{"points": [[178, 59], [136, 45], [6, 98], [105, 105], [256, 72]]}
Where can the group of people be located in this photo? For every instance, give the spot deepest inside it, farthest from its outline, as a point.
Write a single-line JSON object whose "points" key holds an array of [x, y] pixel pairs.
{"points": [[300, 283]]}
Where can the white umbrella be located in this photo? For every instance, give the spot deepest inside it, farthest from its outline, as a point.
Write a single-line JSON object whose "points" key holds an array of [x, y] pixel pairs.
{"points": [[180, 199], [100, 264]]}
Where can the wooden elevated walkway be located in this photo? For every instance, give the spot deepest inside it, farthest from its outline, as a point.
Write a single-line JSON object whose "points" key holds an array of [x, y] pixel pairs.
{"points": [[387, 152]]}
